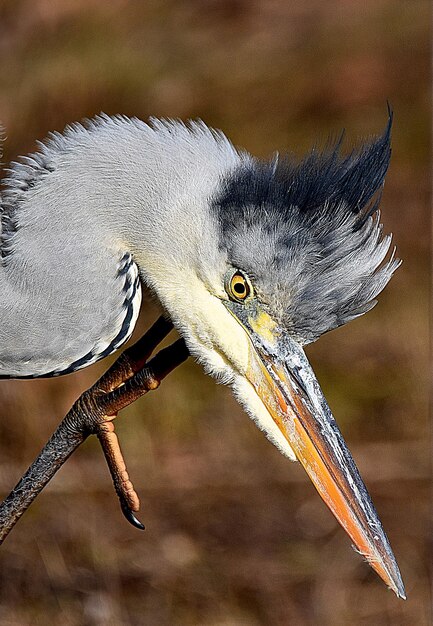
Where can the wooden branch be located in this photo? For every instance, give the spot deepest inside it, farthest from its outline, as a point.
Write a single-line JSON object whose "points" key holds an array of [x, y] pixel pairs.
{"points": [[129, 378]]}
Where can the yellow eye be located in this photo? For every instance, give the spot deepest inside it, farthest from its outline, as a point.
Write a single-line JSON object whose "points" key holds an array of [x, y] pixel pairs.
{"points": [[239, 287]]}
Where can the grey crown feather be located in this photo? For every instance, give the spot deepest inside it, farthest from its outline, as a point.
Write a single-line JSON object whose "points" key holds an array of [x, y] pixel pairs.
{"points": [[308, 233]]}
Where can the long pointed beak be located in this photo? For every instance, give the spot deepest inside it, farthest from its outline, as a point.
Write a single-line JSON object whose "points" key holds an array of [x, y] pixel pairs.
{"points": [[284, 380]]}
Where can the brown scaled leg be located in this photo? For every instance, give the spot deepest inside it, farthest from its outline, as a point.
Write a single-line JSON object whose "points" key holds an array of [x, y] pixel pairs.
{"points": [[134, 358]]}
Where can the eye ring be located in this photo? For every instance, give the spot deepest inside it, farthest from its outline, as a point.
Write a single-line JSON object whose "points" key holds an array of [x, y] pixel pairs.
{"points": [[239, 287]]}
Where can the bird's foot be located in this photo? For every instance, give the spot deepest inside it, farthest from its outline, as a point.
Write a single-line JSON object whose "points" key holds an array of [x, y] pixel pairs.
{"points": [[125, 381], [131, 376], [129, 500]]}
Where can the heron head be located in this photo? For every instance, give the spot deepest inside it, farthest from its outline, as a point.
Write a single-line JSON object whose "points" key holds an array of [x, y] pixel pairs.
{"points": [[297, 251]]}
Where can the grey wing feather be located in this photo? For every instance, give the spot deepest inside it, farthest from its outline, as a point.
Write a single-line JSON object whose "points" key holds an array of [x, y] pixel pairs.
{"points": [[72, 337], [122, 330]]}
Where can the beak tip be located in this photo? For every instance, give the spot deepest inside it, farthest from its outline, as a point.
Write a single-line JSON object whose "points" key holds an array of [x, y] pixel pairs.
{"points": [[398, 588], [392, 577], [399, 591], [396, 581], [387, 569]]}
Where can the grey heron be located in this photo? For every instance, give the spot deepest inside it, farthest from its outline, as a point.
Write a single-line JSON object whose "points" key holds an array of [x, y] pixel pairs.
{"points": [[250, 260]]}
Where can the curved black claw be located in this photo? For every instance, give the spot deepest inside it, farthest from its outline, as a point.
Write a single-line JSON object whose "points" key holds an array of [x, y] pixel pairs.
{"points": [[127, 512]]}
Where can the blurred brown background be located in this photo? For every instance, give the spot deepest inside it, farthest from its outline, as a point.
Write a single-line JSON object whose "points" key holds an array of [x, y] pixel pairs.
{"points": [[236, 535]]}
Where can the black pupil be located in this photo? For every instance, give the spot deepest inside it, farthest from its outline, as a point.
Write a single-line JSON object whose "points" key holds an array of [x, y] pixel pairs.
{"points": [[239, 288]]}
